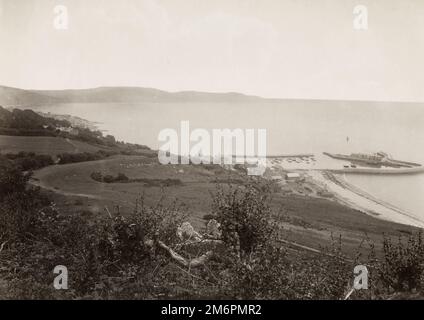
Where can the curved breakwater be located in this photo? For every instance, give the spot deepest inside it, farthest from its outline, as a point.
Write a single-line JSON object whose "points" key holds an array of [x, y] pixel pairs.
{"points": [[414, 170]]}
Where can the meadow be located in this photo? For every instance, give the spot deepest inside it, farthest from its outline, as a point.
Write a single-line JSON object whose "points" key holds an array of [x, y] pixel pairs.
{"points": [[45, 145]]}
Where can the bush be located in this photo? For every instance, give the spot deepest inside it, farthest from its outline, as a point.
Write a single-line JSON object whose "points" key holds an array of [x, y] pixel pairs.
{"points": [[97, 176], [106, 257], [245, 216], [84, 156], [12, 180], [258, 264], [30, 161], [401, 269], [108, 178], [121, 178], [17, 202]]}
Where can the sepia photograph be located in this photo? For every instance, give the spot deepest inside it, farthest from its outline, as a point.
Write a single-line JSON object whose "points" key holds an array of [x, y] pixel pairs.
{"points": [[222, 150]]}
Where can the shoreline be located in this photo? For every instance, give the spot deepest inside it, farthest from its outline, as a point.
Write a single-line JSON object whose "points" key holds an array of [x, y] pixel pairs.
{"points": [[356, 198], [324, 179]]}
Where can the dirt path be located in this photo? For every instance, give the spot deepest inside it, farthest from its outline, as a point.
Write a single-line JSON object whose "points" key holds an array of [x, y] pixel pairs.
{"points": [[73, 144]]}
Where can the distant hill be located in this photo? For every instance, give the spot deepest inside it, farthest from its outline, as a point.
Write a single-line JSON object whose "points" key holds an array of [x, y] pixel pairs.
{"points": [[19, 97], [13, 97]]}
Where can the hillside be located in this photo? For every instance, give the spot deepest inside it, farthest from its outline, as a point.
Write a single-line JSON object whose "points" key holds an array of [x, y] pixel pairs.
{"points": [[28, 131], [27, 119], [45, 145]]}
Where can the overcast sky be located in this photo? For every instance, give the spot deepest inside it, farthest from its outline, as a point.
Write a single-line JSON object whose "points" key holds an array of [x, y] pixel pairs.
{"points": [[271, 48]]}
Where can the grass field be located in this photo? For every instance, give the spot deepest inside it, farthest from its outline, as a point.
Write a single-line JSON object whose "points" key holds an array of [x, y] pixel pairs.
{"points": [[74, 179], [306, 220], [44, 145]]}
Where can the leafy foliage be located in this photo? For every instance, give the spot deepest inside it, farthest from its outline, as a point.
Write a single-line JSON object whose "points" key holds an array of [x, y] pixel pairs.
{"points": [[245, 217], [401, 267], [29, 160], [113, 257]]}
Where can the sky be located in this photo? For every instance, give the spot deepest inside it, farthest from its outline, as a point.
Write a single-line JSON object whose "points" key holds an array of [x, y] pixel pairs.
{"points": [[306, 49]]}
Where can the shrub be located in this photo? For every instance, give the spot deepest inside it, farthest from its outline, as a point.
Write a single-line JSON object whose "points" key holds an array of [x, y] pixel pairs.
{"points": [[109, 178], [244, 215], [30, 161], [84, 156], [12, 180], [121, 178], [401, 268], [106, 257], [258, 264], [97, 176]]}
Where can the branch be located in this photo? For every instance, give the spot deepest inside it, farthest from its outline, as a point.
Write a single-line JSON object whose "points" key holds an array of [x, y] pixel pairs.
{"points": [[349, 293], [108, 212], [193, 263], [2, 245], [201, 242]]}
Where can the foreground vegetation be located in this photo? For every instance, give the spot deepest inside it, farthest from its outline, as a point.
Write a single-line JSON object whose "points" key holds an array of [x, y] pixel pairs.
{"points": [[152, 253]]}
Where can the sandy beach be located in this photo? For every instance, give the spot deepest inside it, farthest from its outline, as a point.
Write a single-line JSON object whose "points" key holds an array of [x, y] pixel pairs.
{"points": [[356, 198], [319, 177]]}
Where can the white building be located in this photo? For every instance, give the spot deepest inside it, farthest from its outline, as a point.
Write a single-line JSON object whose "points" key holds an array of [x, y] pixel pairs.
{"points": [[292, 175]]}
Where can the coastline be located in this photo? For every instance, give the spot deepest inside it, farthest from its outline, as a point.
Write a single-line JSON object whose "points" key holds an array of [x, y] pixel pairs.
{"points": [[354, 197], [322, 177]]}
